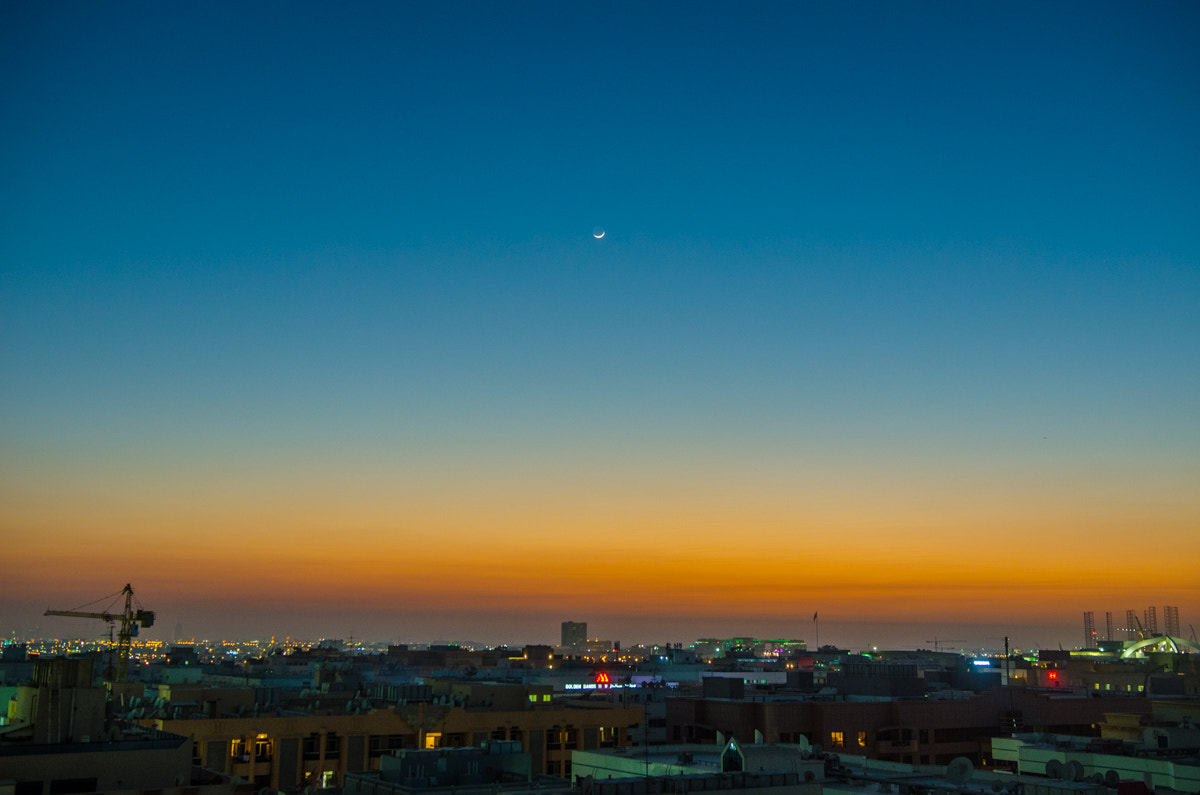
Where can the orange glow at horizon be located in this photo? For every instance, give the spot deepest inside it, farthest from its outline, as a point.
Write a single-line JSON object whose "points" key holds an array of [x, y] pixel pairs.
{"points": [[680, 550]]}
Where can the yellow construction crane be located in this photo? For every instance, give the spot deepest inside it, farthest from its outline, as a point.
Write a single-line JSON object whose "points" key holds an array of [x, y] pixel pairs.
{"points": [[130, 621]]}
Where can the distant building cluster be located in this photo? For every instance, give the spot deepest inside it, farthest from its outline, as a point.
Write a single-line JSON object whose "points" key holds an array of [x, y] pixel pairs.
{"points": [[762, 716], [1135, 628]]}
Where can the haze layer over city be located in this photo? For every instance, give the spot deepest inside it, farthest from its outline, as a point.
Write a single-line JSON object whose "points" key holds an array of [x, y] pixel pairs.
{"points": [[456, 321]]}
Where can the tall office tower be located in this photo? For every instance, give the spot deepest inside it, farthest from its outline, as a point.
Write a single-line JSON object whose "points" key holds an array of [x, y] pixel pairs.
{"points": [[1150, 620], [1131, 624], [1108, 624], [574, 633], [1171, 620], [1089, 629]]}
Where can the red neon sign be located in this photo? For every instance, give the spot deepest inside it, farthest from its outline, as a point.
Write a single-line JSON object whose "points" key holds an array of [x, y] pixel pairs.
{"points": [[602, 678], [1052, 676]]}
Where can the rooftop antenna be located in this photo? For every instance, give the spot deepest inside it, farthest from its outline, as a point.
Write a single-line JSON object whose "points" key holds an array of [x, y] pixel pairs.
{"points": [[1008, 674]]}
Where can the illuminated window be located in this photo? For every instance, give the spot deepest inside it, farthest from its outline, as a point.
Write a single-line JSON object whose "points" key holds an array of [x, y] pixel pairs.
{"points": [[433, 740], [532, 698], [862, 739], [546, 697], [1141, 688], [838, 739]]}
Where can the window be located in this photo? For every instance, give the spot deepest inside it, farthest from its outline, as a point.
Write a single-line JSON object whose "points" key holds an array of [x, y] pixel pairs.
{"points": [[239, 750], [862, 739], [333, 746], [553, 739], [312, 747], [837, 739], [262, 748], [433, 740]]}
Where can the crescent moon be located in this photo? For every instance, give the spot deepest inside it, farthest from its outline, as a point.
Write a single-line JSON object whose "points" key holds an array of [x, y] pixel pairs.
{"points": [[598, 232]]}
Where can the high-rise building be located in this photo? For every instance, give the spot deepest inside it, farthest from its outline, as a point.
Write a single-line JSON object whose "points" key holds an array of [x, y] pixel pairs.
{"points": [[1171, 621], [1150, 621], [574, 633], [1089, 629], [1108, 624]]}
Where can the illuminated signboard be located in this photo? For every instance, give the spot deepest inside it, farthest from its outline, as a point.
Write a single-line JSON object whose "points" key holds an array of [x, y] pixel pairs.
{"points": [[604, 682]]}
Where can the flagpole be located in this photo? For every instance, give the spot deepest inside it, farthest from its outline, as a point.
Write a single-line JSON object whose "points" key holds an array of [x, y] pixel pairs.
{"points": [[817, 633]]}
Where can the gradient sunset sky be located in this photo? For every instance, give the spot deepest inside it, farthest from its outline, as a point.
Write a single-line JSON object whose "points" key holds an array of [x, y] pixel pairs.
{"points": [[304, 329]]}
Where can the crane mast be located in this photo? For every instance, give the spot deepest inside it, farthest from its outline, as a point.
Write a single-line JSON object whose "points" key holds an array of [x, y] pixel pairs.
{"points": [[130, 620]]}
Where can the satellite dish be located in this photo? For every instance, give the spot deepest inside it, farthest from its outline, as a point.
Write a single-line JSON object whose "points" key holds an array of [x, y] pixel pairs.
{"points": [[1054, 768], [803, 742], [959, 770], [1111, 779]]}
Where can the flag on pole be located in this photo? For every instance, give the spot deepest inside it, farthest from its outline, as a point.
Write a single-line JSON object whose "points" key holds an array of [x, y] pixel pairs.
{"points": [[814, 616]]}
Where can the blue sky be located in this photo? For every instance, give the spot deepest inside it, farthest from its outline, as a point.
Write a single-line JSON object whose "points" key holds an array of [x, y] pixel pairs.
{"points": [[918, 246]]}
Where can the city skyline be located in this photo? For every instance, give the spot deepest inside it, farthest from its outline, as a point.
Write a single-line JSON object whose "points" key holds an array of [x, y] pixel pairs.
{"points": [[304, 323], [853, 635]]}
